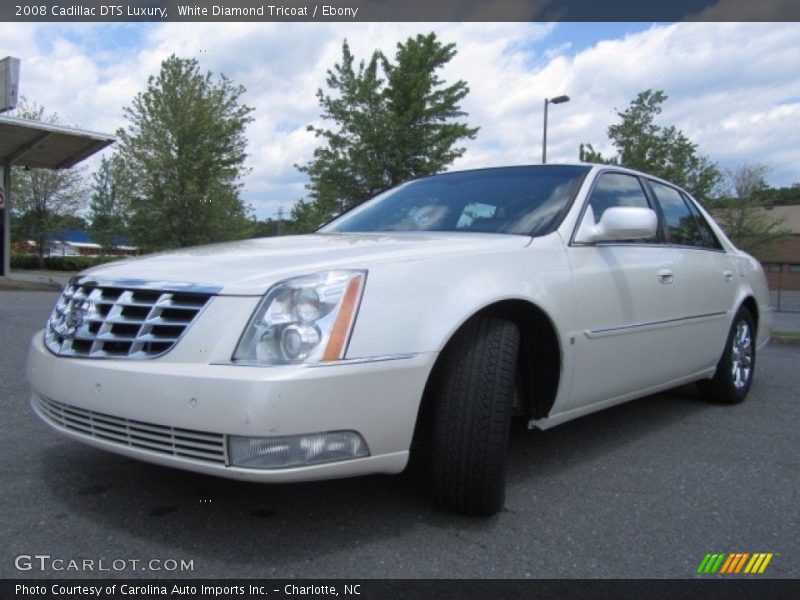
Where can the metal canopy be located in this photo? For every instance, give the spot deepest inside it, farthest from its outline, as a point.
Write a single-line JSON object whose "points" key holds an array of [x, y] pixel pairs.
{"points": [[28, 143]]}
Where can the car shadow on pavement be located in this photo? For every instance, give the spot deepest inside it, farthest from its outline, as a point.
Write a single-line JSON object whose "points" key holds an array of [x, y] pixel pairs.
{"points": [[208, 518]]}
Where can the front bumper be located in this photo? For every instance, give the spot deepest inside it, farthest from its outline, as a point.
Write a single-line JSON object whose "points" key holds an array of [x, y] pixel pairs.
{"points": [[377, 398]]}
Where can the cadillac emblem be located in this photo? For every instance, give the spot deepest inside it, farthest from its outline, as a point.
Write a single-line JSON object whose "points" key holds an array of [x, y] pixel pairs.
{"points": [[75, 316]]}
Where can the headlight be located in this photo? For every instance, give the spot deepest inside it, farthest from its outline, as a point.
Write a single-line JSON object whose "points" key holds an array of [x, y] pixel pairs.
{"points": [[303, 320]]}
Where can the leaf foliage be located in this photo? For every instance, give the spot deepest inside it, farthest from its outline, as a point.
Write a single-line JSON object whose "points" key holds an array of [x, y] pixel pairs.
{"points": [[390, 121]]}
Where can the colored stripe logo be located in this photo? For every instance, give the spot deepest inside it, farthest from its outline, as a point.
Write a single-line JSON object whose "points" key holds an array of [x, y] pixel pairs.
{"points": [[733, 563]]}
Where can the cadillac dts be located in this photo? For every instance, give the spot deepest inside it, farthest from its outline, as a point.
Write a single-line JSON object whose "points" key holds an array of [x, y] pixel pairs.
{"points": [[419, 322]]}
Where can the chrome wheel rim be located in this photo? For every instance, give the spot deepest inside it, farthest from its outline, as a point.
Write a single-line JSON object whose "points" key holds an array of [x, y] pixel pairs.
{"points": [[742, 355]]}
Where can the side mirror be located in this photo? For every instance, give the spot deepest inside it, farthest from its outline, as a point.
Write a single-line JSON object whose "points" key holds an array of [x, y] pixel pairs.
{"points": [[617, 223]]}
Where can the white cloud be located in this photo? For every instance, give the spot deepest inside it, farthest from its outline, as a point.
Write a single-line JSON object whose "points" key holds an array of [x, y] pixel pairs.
{"points": [[734, 87]]}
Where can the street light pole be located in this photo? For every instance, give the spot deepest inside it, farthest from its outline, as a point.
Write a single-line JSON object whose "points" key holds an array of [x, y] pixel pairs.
{"points": [[544, 135], [556, 100]]}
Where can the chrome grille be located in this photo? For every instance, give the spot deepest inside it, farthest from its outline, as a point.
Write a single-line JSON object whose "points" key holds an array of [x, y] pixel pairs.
{"points": [[185, 443], [103, 321]]}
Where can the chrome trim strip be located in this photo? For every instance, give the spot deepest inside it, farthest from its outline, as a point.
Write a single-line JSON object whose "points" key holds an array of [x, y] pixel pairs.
{"points": [[332, 363], [365, 360], [653, 325], [660, 245], [147, 284]]}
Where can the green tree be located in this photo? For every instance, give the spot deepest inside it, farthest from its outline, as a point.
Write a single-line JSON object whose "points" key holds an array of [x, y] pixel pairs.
{"points": [[780, 196], [45, 200], [665, 152], [184, 148], [740, 211], [393, 120], [587, 153], [108, 207]]}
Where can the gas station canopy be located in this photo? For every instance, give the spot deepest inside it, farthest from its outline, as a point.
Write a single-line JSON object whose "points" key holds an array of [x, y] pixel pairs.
{"points": [[28, 143]]}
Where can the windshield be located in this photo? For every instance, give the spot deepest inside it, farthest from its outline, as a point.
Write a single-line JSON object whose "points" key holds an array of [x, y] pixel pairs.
{"points": [[515, 200]]}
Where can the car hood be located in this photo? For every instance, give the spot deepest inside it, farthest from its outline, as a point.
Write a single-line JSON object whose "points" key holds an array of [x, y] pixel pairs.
{"points": [[252, 266]]}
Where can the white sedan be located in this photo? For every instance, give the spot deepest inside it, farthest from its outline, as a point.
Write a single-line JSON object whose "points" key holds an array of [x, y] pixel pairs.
{"points": [[425, 318]]}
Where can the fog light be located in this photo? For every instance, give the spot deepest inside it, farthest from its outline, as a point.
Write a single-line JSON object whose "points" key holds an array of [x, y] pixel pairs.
{"points": [[295, 450]]}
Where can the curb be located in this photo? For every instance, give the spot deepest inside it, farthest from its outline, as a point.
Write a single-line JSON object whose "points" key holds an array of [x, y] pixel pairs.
{"points": [[14, 285], [785, 340]]}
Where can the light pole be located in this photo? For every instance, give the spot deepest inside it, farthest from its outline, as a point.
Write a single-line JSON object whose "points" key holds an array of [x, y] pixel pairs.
{"points": [[556, 100]]}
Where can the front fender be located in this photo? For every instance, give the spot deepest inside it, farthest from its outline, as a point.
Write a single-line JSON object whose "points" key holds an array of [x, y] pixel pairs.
{"points": [[416, 306]]}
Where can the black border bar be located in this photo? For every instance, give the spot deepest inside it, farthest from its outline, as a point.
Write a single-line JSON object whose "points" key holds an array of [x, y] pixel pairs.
{"points": [[397, 10], [732, 588]]}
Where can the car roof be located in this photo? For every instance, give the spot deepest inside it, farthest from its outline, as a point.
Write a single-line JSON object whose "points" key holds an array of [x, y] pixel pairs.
{"points": [[593, 167]]}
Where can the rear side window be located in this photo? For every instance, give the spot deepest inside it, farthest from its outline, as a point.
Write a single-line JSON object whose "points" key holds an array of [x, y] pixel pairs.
{"points": [[681, 226], [710, 239]]}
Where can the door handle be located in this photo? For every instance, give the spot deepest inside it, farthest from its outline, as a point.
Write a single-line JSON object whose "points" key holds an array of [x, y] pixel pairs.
{"points": [[665, 276], [728, 275]]}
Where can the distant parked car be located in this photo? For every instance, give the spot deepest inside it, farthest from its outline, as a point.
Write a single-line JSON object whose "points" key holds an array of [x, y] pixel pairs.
{"points": [[430, 314]]}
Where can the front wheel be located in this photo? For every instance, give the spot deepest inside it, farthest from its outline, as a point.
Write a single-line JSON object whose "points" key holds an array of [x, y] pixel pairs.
{"points": [[472, 415], [734, 374]]}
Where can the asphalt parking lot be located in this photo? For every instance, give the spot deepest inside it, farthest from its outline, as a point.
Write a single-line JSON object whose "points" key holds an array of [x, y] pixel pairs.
{"points": [[643, 490]]}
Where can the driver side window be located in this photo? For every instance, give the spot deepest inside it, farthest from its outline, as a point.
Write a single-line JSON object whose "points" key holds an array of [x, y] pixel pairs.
{"points": [[618, 189]]}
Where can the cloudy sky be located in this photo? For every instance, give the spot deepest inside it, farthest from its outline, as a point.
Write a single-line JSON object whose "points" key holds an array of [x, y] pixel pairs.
{"points": [[734, 88]]}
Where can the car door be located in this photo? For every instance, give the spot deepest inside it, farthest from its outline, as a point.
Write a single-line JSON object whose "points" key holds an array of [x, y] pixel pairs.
{"points": [[628, 303], [708, 274]]}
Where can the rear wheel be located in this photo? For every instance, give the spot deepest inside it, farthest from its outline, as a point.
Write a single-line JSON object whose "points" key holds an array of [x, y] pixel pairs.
{"points": [[472, 415], [734, 374]]}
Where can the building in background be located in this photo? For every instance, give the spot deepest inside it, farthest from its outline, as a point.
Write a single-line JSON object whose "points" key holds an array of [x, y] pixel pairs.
{"points": [[783, 268], [73, 242]]}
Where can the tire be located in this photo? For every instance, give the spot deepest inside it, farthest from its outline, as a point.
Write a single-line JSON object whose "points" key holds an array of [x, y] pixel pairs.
{"points": [[472, 417], [735, 369]]}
